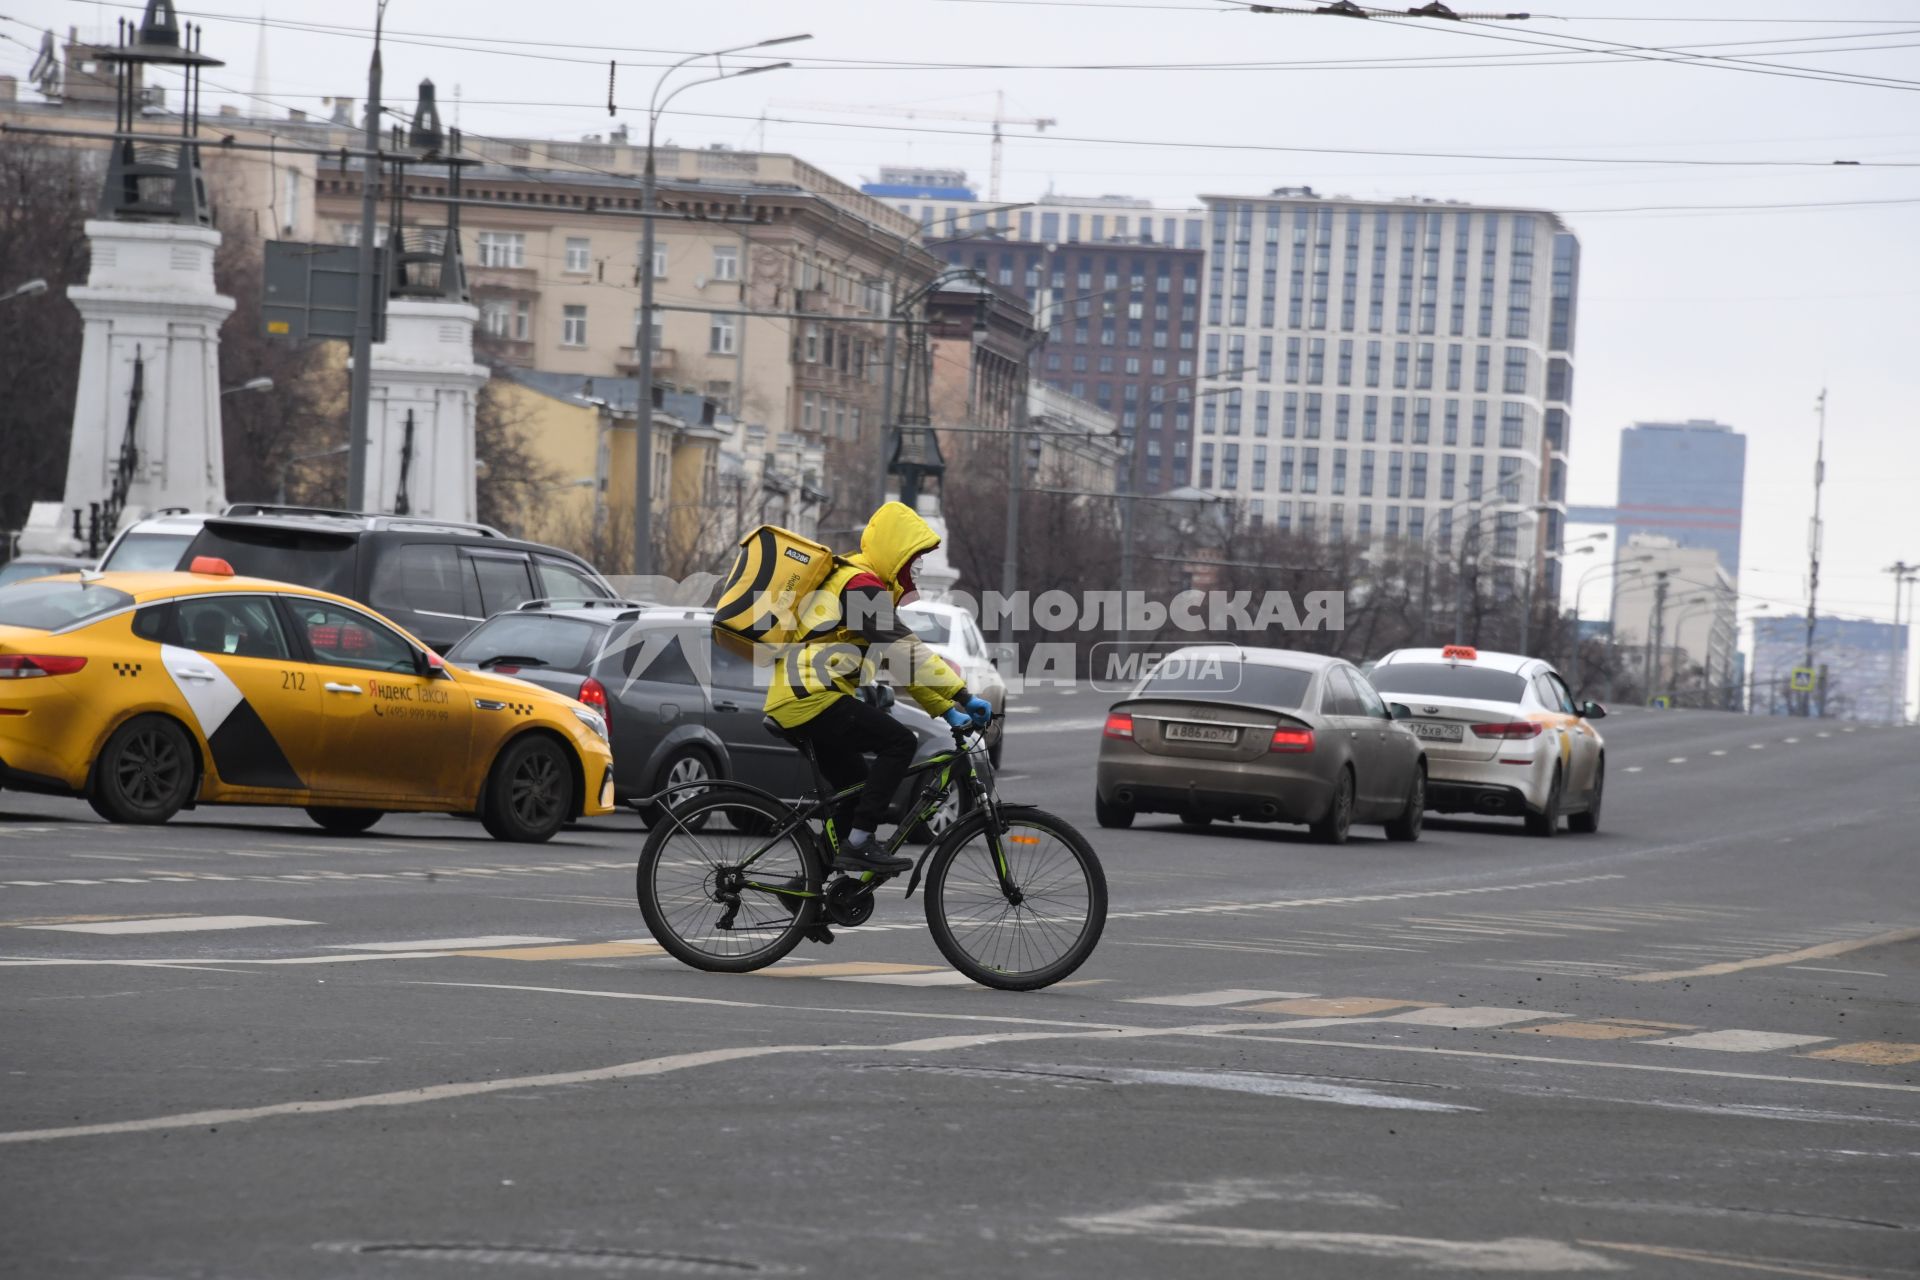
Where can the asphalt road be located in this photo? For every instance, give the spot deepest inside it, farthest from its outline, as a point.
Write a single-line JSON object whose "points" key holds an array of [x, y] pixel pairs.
{"points": [[1690, 1045]]}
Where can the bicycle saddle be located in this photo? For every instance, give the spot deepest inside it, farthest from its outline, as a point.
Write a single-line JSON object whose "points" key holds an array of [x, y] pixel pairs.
{"points": [[781, 732]]}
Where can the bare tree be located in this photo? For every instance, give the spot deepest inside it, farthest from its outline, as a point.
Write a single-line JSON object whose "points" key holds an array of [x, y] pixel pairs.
{"points": [[45, 195]]}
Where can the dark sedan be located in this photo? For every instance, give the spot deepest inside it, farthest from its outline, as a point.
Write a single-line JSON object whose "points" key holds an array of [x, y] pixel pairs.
{"points": [[1263, 735], [679, 708]]}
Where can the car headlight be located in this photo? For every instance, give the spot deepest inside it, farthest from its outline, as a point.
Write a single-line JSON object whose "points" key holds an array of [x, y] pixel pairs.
{"points": [[594, 721]]}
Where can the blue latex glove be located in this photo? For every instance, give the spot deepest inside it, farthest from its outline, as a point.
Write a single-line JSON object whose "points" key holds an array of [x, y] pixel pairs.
{"points": [[980, 711], [957, 718]]}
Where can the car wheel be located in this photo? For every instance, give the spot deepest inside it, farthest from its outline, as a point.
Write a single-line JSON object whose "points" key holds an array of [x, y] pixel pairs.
{"points": [[146, 772], [1111, 815], [687, 765], [529, 792], [1407, 826], [1338, 820], [1546, 823], [344, 822], [1589, 822]]}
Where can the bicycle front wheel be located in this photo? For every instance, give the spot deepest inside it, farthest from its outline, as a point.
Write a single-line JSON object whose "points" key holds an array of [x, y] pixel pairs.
{"points": [[728, 882], [1035, 928]]}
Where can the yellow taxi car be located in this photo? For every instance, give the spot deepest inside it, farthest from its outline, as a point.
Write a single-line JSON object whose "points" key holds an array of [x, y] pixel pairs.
{"points": [[150, 692]]}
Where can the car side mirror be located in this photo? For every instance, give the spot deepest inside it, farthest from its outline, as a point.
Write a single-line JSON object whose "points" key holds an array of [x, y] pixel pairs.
{"points": [[1399, 711], [1592, 711], [431, 665]]}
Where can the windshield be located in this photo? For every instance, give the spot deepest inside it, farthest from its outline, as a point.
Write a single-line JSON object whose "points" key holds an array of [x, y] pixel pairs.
{"points": [[931, 627], [148, 553], [1205, 676], [529, 640], [52, 603], [1445, 680], [303, 557]]}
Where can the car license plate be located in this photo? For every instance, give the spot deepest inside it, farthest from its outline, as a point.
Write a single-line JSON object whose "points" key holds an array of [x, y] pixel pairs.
{"points": [[1202, 733], [1433, 732]]}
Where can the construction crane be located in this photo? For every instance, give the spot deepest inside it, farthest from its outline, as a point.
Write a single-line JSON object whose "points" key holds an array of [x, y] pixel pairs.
{"points": [[999, 117]]}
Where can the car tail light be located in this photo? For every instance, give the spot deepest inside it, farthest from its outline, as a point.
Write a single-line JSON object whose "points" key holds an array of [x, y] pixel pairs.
{"points": [[1514, 729], [28, 666], [1119, 725], [594, 694], [1289, 739]]}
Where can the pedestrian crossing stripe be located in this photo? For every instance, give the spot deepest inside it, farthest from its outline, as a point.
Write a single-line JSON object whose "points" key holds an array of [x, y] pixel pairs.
{"points": [[1878, 1053], [170, 924]]}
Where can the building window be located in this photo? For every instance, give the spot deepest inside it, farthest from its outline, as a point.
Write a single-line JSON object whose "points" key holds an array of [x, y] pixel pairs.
{"points": [[659, 261], [1513, 425], [1373, 363], [1482, 368], [1290, 415], [503, 249], [1313, 415], [577, 248], [1394, 464], [1423, 367], [1400, 352], [726, 262], [1339, 471], [1292, 373], [573, 326], [1399, 421], [1286, 468], [1451, 436], [1515, 383], [496, 317], [1342, 406], [1479, 424], [720, 335], [809, 344], [1417, 478], [1310, 470], [1447, 462], [1366, 473], [1370, 417]]}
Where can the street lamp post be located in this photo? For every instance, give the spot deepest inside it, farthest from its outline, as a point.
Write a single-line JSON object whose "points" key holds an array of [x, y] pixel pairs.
{"points": [[280, 496], [26, 289], [643, 341]]}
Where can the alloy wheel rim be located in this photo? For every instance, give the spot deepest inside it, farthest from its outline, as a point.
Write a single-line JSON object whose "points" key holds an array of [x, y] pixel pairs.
{"points": [[149, 769], [536, 789]]}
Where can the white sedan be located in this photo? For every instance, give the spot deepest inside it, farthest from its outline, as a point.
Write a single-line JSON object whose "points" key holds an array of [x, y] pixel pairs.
{"points": [[1502, 732], [951, 632]]}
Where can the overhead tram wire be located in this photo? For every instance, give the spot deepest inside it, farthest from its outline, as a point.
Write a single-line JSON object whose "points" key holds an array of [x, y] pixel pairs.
{"points": [[518, 48]]}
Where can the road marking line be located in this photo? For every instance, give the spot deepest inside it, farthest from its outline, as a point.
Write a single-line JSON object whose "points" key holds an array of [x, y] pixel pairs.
{"points": [[175, 924], [1824, 951], [1790, 741], [1633, 768], [1676, 760], [1823, 734], [1589, 1031], [1859, 973], [1774, 1266], [1469, 1017], [1879, 1053], [1647, 1022], [851, 968], [1356, 899], [1719, 752], [1740, 1041], [938, 978], [1756, 746], [445, 944], [578, 951], [1231, 995], [1336, 1007]]}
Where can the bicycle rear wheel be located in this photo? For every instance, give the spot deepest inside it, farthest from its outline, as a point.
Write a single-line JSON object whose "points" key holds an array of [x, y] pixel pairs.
{"points": [[725, 884], [1041, 932]]}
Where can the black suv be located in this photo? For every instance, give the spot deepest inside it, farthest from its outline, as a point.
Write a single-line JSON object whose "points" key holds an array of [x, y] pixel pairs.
{"points": [[436, 578]]}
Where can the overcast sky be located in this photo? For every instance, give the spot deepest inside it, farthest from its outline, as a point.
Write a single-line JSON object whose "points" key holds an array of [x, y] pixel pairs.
{"points": [[1741, 315]]}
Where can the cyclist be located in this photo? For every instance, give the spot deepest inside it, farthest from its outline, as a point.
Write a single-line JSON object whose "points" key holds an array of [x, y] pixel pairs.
{"points": [[814, 683]]}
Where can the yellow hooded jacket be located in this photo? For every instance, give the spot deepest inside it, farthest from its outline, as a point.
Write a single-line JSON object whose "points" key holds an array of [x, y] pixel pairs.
{"points": [[808, 678]]}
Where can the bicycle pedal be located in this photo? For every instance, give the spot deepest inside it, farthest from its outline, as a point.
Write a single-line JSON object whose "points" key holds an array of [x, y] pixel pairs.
{"points": [[821, 934]]}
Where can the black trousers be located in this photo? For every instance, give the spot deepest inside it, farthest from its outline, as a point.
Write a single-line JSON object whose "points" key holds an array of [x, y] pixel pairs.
{"points": [[842, 736]]}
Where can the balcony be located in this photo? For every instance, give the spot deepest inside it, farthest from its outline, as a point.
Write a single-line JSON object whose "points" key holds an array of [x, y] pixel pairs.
{"points": [[629, 361]]}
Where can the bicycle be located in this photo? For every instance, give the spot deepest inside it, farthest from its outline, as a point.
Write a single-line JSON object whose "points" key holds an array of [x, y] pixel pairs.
{"points": [[1015, 897]]}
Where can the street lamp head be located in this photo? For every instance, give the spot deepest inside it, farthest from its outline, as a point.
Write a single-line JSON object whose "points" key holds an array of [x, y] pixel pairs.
{"points": [[257, 384], [27, 289], [754, 71], [765, 44]]}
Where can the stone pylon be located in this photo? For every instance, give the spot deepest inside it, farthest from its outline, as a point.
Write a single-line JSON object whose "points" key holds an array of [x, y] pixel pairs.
{"points": [[420, 421]]}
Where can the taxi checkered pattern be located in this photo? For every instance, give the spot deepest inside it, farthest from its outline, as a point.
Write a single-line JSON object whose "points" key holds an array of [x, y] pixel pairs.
{"points": [[126, 668]]}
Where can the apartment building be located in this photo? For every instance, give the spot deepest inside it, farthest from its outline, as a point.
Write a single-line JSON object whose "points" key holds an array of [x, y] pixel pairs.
{"points": [[767, 293], [1674, 617], [1389, 371]]}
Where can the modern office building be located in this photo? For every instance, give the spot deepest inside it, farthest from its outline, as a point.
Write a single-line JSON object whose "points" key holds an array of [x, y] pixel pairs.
{"points": [[1121, 321], [1384, 370], [941, 202], [1684, 481], [1865, 662]]}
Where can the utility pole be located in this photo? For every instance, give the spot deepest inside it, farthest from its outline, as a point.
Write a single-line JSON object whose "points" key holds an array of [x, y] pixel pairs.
{"points": [[1897, 689], [1813, 537], [1656, 631], [1010, 556], [360, 390]]}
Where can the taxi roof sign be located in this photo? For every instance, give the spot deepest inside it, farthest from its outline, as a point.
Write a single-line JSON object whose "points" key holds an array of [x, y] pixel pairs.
{"points": [[211, 565], [1460, 653]]}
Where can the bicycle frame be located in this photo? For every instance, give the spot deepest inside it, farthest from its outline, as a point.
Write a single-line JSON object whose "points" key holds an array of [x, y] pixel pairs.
{"points": [[942, 781]]}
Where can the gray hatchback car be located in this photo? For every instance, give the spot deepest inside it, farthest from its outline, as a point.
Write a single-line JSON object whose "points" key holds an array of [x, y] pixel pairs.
{"points": [[1268, 735], [679, 708]]}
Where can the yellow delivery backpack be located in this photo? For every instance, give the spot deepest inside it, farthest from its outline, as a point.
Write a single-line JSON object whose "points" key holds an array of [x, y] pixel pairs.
{"points": [[765, 599]]}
